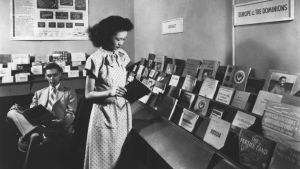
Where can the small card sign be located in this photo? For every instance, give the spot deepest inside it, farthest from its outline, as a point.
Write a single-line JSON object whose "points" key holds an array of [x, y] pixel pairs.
{"points": [[37, 70], [5, 72], [77, 56], [73, 73], [7, 79], [208, 88], [20, 58], [21, 77], [172, 26]]}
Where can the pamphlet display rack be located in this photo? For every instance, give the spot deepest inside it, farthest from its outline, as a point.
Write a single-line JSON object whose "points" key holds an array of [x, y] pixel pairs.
{"points": [[183, 149]]}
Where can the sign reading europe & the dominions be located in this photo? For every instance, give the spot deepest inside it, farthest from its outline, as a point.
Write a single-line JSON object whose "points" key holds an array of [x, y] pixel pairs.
{"points": [[263, 11]]}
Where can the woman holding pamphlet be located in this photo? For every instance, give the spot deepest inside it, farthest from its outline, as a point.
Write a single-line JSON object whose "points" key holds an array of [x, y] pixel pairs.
{"points": [[110, 119]]}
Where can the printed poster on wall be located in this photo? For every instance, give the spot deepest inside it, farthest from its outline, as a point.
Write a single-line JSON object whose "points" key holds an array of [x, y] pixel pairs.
{"points": [[49, 19]]}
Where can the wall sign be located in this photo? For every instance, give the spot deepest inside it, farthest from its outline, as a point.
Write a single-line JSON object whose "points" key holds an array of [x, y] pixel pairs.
{"points": [[49, 19], [263, 11], [172, 26]]}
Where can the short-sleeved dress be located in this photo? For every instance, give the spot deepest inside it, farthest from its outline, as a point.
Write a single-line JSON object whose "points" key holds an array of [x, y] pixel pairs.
{"points": [[110, 119]]}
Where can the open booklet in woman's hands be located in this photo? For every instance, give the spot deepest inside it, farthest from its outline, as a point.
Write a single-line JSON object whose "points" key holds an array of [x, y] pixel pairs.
{"points": [[135, 90]]}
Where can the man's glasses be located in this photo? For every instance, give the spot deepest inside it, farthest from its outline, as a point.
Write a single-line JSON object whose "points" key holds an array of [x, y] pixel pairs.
{"points": [[52, 75]]}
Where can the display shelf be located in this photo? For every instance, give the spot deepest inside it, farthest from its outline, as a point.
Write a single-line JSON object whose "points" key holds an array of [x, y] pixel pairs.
{"points": [[232, 154], [178, 147]]}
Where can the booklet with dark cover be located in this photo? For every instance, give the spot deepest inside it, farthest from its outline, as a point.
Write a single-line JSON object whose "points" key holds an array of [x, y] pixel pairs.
{"points": [[135, 90], [38, 115], [255, 151]]}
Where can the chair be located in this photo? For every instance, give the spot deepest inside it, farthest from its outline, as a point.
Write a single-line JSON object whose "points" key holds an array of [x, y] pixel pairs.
{"points": [[34, 141], [78, 140], [79, 137]]}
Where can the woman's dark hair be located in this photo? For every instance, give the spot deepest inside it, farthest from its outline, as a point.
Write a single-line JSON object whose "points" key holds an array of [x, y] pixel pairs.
{"points": [[53, 65], [101, 34]]}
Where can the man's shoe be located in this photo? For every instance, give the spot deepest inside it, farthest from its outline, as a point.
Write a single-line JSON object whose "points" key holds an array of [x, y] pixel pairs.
{"points": [[39, 129], [43, 140], [22, 144]]}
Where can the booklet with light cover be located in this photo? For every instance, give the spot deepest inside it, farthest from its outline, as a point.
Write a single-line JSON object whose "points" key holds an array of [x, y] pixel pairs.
{"points": [[241, 100], [209, 88], [159, 62], [152, 73], [217, 132], [140, 71], [189, 83], [174, 80], [136, 90], [280, 82], [188, 120], [243, 120], [281, 123], [262, 99], [225, 94], [20, 58]]}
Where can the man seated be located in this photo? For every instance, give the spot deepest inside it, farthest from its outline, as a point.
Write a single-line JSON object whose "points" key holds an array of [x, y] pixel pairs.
{"points": [[57, 99]]}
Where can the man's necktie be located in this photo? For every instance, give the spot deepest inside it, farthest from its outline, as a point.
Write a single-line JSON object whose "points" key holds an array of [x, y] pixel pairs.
{"points": [[52, 98]]}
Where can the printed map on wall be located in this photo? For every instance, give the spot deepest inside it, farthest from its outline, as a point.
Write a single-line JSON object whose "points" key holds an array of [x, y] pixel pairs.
{"points": [[49, 19]]}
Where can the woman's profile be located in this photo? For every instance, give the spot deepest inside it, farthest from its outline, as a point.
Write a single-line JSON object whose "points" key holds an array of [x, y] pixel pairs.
{"points": [[110, 119]]}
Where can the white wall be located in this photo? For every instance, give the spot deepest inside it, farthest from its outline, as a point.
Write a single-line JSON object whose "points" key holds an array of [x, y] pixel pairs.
{"points": [[269, 45], [207, 29]]}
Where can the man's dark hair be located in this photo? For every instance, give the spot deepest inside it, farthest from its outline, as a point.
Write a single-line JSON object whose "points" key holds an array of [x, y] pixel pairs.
{"points": [[282, 77], [53, 65], [101, 33]]}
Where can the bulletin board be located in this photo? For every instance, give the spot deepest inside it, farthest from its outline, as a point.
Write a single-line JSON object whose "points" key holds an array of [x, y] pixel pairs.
{"points": [[49, 19]]}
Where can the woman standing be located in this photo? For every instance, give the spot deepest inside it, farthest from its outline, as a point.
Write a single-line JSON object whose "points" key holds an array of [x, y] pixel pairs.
{"points": [[110, 119]]}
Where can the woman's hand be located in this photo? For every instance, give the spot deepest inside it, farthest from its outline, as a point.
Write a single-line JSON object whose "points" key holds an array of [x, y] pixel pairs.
{"points": [[117, 91]]}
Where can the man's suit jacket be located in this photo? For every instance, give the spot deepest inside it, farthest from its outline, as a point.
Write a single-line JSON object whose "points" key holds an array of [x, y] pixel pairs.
{"points": [[66, 100]]}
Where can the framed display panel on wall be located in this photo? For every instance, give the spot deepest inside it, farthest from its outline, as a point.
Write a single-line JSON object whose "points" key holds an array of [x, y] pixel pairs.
{"points": [[49, 19], [263, 11]]}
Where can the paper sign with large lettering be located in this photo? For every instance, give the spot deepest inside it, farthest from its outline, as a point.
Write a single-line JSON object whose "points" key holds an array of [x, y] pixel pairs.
{"points": [[263, 11]]}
